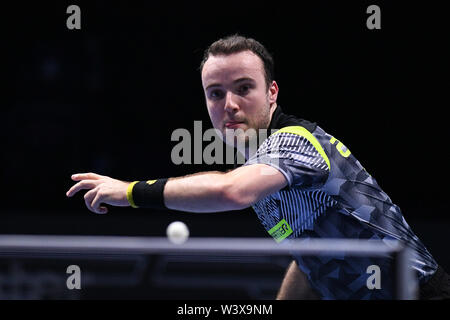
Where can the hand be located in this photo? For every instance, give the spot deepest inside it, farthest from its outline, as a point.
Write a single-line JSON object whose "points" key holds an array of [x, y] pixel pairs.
{"points": [[102, 189]]}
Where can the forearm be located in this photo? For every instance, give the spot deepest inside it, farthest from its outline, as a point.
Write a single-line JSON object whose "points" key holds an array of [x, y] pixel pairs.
{"points": [[200, 192]]}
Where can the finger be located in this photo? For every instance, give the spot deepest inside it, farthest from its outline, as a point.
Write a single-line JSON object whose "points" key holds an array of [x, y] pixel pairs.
{"points": [[83, 185], [96, 204], [85, 176], [103, 210], [89, 196]]}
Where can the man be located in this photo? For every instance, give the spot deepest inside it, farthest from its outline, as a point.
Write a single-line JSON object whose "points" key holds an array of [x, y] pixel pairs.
{"points": [[300, 177]]}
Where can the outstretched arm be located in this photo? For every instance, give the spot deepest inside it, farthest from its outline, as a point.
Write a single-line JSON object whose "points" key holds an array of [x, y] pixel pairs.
{"points": [[201, 192]]}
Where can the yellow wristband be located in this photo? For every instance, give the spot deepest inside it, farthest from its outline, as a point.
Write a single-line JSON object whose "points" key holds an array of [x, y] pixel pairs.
{"points": [[130, 194]]}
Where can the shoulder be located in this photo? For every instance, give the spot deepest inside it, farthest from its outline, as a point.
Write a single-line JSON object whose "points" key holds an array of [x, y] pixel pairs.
{"points": [[297, 140]]}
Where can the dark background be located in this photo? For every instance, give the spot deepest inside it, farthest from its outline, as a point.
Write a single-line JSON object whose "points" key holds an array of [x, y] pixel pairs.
{"points": [[106, 99]]}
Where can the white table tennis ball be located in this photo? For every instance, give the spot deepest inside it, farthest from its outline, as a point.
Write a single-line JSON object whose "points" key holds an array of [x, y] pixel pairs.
{"points": [[177, 232]]}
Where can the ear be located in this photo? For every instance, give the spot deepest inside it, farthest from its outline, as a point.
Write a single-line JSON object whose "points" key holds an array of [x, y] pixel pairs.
{"points": [[273, 92]]}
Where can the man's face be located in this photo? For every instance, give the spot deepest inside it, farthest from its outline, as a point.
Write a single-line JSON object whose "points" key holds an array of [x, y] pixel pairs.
{"points": [[236, 93]]}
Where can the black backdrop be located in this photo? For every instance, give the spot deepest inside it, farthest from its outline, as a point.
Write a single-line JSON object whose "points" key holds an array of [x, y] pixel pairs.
{"points": [[106, 99]]}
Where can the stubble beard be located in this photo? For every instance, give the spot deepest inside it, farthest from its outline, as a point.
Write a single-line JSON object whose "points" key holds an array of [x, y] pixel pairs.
{"points": [[246, 140]]}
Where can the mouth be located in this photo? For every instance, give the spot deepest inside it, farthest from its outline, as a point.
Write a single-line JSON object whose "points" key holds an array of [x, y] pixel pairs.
{"points": [[233, 124]]}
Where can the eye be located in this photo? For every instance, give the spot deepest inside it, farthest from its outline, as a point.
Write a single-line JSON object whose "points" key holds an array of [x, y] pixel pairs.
{"points": [[216, 94], [244, 89]]}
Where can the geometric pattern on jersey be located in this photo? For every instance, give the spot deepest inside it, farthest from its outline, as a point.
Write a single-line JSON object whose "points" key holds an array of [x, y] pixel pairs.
{"points": [[359, 195], [299, 208], [344, 276], [341, 200]]}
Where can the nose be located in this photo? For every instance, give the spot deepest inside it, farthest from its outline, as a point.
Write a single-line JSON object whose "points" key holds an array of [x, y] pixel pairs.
{"points": [[230, 102]]}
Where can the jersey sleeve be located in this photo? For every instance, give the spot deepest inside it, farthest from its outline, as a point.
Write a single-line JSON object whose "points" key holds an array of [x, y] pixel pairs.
{"points": [[296, 157]]}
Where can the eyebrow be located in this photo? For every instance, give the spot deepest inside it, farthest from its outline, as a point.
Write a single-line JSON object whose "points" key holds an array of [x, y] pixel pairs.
{"points": [[244, 79]]}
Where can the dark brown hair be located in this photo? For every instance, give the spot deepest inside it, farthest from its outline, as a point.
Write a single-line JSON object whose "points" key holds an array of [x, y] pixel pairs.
{"points": [[235, 44]]}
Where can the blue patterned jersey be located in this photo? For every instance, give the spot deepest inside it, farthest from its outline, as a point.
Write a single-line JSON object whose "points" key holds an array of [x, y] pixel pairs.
{"points": [[330, 195]]}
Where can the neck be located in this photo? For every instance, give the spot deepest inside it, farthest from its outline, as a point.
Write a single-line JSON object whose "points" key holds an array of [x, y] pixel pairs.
{"points": [[247, 152]]}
